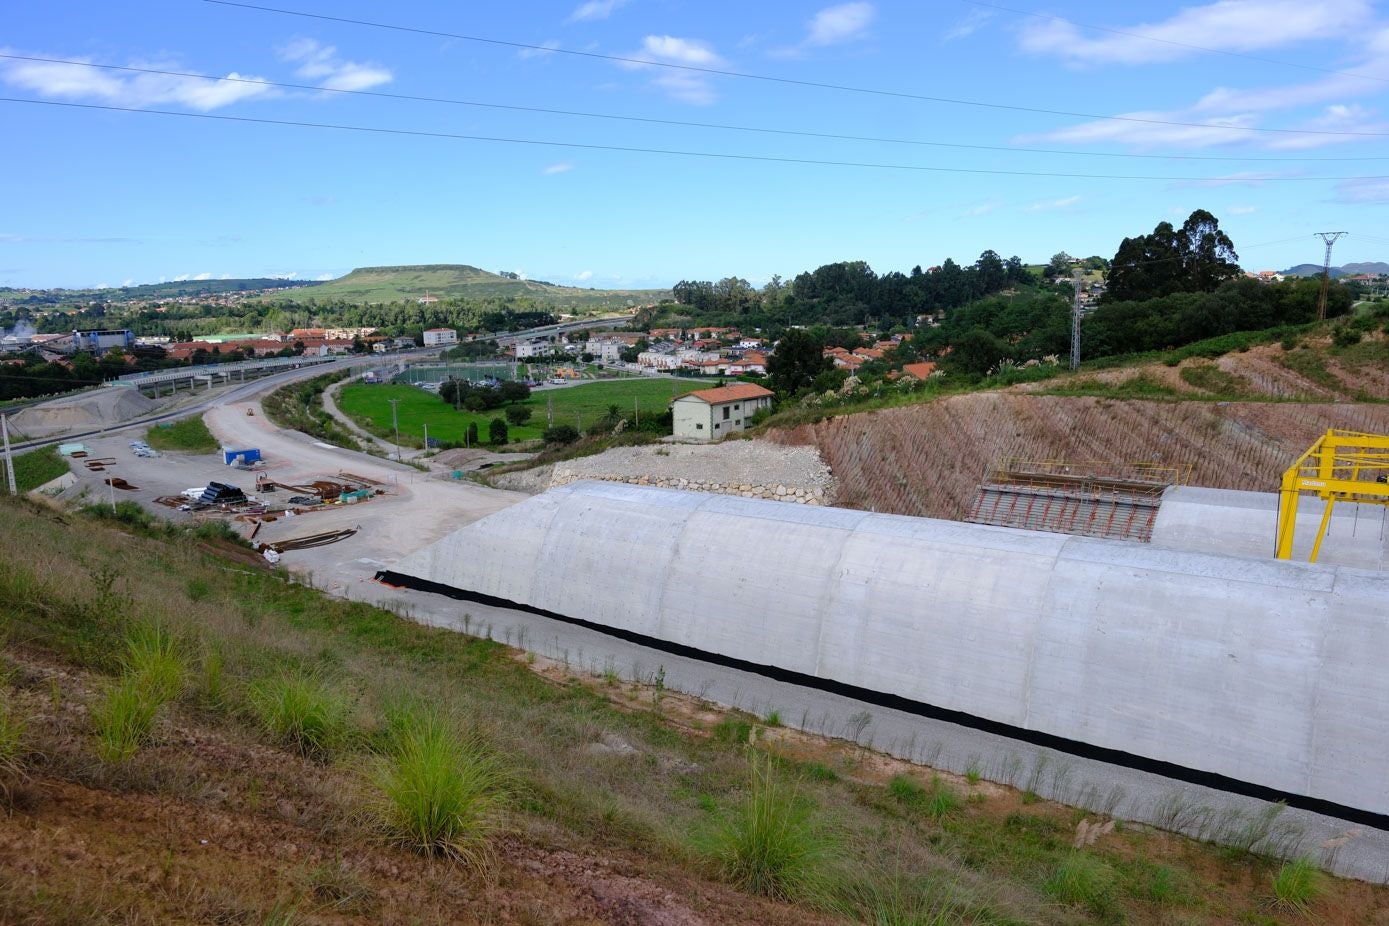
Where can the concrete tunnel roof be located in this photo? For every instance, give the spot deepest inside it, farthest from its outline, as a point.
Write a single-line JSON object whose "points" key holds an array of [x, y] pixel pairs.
{"points": [[1263, 671]]}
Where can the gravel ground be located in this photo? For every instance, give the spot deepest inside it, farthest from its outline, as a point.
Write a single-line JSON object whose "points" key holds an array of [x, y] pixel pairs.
{"points": [[732, 462]]}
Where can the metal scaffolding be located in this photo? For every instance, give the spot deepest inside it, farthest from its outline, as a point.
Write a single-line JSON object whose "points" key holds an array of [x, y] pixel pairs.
{"points": [[1342, 466]]}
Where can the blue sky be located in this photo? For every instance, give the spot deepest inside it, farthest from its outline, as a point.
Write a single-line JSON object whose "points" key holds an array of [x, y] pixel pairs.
{"points": [[101, 198]]}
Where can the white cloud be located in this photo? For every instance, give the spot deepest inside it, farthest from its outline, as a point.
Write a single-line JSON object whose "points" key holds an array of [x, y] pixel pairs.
{"points": [[72, 81], [968, 24], [321, 64], [583, 275], [225, 276], [1363, 191], [842, 23], [686, 86], [1242, 210], [321, 278], [679, 51], [203, 276], [129, 281], [979, 209], [1226, 25], [595, 9], [181, 278], [1050, 204], [560, 168]]}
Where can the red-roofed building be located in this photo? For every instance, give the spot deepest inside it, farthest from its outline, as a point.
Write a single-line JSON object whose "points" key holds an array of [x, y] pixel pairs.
{"points": [[919, 370], [713, 413]]}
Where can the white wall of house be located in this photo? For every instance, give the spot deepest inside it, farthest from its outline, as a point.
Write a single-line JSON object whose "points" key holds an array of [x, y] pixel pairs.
{"points": [[435, 337], [696, 419]]}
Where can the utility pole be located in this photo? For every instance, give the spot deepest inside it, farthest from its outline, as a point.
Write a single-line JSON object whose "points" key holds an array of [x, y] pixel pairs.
{"points": [[1330, 239], [395, 423], [1075, 320], [549, 411], [426, 437], [9, 457]]}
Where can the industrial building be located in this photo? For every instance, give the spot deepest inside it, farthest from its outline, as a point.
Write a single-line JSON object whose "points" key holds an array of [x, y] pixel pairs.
{"points": [[1243, 670]]}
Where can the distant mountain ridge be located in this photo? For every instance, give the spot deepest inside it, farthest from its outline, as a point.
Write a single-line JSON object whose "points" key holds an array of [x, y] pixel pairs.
{"points": [[1345, 270], [454, 281]]}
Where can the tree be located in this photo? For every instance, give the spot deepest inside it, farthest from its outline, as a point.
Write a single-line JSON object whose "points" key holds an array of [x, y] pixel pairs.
{"points": [[1195, 259], [978, 351], [518, 414], [497, 431], [1209, 257], [513, 391], [1059, 265], [797, 360]]}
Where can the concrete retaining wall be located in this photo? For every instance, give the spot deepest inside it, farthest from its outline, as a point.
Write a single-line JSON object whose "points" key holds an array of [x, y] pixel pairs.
{"points": [[777, 493], [1266, 672]]}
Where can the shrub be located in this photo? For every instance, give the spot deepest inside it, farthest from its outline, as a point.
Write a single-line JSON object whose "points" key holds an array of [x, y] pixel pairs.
{"points": [[560, 434], [1083, 880], [302, 712], [772, 844], [123, 720], [1297, 884], [1345, 336], [443, 793]]}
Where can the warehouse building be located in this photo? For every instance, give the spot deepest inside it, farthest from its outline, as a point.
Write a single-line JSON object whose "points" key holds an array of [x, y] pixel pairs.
{"points": [[713, 413]]}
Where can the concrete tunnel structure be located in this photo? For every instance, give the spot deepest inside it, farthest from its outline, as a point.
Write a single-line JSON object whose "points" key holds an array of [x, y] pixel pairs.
{"points": [[1254, 675]]}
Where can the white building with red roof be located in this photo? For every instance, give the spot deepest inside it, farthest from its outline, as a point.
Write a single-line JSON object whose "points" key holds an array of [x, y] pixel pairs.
{"points": [[709, 414]]}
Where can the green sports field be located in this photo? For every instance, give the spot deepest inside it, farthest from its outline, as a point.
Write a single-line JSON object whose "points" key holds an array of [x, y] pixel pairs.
{"points": [[579, 406]]}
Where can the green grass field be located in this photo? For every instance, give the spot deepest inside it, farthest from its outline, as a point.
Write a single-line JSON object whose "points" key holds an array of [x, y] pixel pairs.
{"points": [[36, 467], [370, 407], [189, 435]]}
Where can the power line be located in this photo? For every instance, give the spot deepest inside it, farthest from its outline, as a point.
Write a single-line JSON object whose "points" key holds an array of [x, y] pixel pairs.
{"points": [[791, 81], [676, 122], [1173, 42], [674, 152]]}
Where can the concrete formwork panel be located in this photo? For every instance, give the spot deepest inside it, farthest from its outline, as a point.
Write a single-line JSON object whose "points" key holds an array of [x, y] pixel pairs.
{"points": [[1262, 671]]}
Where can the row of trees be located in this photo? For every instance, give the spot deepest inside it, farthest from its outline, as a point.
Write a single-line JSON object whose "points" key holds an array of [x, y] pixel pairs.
{"points": [[849, 293]]}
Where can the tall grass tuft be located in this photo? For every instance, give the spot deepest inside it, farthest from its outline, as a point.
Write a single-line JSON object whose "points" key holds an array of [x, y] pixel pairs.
{"points": [[1297, 884], [900, 899], [936, 802], [13, 771], [1085, 881], [124, 719], [772, 844], [303, 712], [154, 661], [443, 793]]}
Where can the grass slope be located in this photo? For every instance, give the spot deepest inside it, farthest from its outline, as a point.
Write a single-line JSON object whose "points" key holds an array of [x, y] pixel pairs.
{"points": [[447, 281], [619, 796], [37, 467], [189, 435], [370, 407]]}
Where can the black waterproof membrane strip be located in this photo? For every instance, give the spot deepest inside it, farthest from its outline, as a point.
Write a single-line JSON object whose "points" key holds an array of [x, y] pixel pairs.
{"points": [[899, 703]]}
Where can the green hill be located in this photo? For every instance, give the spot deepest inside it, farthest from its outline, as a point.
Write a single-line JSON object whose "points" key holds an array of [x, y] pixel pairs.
{"points": [[448, 281]]}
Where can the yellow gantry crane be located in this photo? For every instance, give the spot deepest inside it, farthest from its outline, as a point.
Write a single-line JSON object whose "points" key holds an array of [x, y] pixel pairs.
{"points": [[1342, 466]]}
